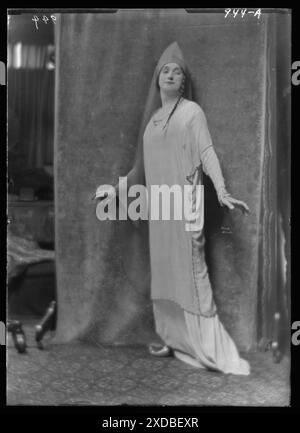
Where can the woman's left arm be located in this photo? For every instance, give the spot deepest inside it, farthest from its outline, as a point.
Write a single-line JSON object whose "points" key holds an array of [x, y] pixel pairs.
{"points": [[212, 168], [211, 164]]}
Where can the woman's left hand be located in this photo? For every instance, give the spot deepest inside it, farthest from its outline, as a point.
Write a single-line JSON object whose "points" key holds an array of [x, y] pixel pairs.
{"points": [[225, 199], [233, 203]]}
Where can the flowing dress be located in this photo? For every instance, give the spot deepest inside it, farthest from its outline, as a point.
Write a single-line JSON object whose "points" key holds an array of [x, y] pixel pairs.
{"points": [[184, 309]]}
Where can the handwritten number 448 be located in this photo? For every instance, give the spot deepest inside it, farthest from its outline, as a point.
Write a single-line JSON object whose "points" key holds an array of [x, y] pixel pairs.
{"points": [[45, 19]]}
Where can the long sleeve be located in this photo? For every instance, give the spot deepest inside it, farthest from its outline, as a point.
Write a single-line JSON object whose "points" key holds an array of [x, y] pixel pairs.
{"points": [[202, 142], [211, 167]]}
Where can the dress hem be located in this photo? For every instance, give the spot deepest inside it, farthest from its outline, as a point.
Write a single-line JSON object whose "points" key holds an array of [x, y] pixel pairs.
{"points": [[213, 314]]}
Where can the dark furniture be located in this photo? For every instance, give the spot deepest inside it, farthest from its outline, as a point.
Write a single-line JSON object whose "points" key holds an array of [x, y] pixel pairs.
{"points": [[30, 245]]}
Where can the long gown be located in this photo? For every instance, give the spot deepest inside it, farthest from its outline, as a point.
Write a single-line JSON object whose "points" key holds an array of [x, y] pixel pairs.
{"points": [[184, 309]]}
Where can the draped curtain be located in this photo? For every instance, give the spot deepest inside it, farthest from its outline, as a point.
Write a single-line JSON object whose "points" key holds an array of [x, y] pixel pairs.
{"points": [[30, 104], [274, 248], [104, 66]]}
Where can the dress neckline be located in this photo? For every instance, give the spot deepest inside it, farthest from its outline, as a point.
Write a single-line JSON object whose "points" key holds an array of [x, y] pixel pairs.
{"points": [[157, 122]]}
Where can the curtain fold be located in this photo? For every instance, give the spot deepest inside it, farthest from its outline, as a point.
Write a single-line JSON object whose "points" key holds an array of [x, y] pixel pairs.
{"points": [[274, 247]]}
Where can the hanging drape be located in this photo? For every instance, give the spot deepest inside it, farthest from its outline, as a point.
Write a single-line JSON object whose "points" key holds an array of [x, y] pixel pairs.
{"points": [[104, 65], [30, 105], [274, 246]]}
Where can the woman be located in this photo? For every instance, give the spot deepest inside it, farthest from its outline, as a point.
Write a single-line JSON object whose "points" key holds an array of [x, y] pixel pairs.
{"points": [[175, 147]]}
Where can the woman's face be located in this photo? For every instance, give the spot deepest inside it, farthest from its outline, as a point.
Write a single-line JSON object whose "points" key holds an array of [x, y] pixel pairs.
{"points": [[170, 78]]}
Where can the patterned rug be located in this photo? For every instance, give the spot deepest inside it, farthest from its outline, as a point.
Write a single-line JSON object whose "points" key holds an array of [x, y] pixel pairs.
{"points": [[79, 374]]}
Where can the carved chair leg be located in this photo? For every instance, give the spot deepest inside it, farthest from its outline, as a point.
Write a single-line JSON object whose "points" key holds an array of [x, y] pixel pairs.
{"points": [[18, 335], [47, 323], [275, 346]]}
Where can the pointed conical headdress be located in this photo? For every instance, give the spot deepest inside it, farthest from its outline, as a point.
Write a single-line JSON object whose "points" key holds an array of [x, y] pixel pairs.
{"points": [[172, 54]]}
